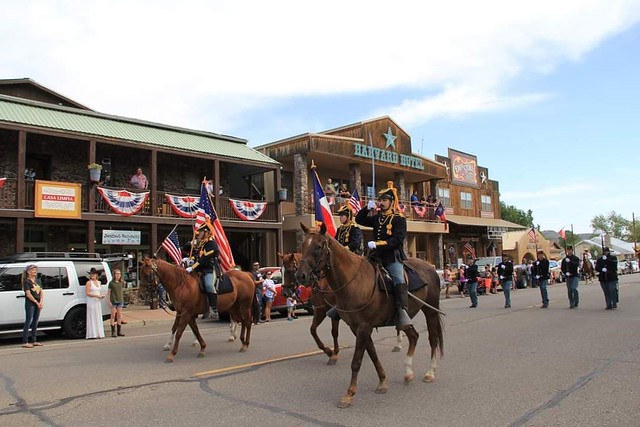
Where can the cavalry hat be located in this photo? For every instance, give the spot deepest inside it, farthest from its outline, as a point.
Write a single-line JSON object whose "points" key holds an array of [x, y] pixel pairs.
{"points": [[606, 249], [205, 227], [389, 193], [570, 247], [346, 210]]}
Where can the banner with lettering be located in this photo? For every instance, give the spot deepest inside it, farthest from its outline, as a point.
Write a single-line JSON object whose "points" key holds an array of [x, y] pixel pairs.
{"points": [[58, 199]]}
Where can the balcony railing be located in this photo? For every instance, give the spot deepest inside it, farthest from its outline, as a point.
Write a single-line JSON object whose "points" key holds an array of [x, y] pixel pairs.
{"points": [[425, 212], [225, 211]]}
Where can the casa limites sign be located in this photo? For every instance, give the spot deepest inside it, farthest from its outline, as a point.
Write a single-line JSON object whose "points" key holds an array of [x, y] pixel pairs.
{"points": [[387, 156]]}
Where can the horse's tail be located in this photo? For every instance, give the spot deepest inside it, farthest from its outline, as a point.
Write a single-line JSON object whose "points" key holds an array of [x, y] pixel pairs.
{"points": [[440, 334]]}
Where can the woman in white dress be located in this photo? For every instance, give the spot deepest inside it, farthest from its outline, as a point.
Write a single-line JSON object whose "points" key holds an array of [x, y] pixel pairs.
{"points": [[95, 327]]}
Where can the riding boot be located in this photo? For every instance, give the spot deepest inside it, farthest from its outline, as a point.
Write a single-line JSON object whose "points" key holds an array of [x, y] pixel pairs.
{"points": [[113, 330], [120, 334], [213, 303], [333, 314], [402, 319]]}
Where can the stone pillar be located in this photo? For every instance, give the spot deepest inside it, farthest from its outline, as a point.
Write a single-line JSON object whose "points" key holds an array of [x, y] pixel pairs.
{"points": [[398, 181], [433, 188], [300, 191], [356, 178], [440, 255]]}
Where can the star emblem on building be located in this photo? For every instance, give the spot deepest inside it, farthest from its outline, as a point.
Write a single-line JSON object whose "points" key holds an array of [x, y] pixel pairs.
{"points": [[390, 139]]}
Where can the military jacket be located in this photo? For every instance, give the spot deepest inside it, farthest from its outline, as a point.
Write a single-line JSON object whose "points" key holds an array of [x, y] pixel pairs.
{"points": [[505, 271], [610, 263], [389, 233], [206, 257], [570, 264], [350, 236]]}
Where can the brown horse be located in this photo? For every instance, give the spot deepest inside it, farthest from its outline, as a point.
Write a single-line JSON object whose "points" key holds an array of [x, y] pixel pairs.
{"points": [[189, 301], [363, 307], [322, 299], [588, 272]]}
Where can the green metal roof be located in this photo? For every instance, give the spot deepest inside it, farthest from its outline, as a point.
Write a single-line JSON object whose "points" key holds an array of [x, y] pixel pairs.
{"points": [[48, 116]]}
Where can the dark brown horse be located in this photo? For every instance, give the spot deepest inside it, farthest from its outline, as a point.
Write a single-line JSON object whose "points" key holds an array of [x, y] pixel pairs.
{"points": [[363, 307], [322, 299], [189, 301], [588, 272]]}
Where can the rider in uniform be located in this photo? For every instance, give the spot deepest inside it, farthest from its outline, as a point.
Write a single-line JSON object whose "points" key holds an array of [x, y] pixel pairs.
{"points": [[389, 234], [348, 235], [205, 255]]}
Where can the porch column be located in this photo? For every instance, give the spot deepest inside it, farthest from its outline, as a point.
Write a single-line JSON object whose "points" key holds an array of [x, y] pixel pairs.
{"points": [[91, 187], [153, 238], [154, 185], [440, 252], [300, 191], [21, 186], [398, 180], [355, 177], [91, 236]]}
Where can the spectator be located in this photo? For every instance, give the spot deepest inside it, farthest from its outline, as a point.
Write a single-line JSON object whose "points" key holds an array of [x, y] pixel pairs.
{"points": [[329, 189], [344, 193], [116, 302], [494, 280], [33, 303], [291, 307], [462, 280], [540, 272], [423, 202], [446, 277], [472, 275], [414, 198], [139, 180], [94, 309], [269, 294], [161, 292], [258, 280]]}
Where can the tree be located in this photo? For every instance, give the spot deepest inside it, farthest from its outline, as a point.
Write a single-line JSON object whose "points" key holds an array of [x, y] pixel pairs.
{"points": [[513, 214], [614, 224]]}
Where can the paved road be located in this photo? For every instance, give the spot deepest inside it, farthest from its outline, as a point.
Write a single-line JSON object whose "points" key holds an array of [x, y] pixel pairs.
{"points": [[518, 366]]}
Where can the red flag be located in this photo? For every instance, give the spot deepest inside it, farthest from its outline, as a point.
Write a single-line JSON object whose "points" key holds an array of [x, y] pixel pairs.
{"points": [[207, 213], [2, 181], [562, 233]]}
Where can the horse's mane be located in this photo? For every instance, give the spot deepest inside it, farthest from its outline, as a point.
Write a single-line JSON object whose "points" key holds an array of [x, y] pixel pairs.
{"points": [[178, 274]]}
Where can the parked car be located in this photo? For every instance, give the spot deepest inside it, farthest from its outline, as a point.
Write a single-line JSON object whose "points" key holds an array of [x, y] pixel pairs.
{"points": [[63, 277], [556, 272], [280, 299], [492, 261]]}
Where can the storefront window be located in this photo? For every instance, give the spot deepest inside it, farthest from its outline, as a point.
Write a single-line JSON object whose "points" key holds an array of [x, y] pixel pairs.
{"points": [[445, 197], [465, 200], [486, 203]]}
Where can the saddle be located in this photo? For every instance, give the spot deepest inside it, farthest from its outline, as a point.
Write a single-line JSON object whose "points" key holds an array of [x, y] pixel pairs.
{"points": [[223, 285], [412, 277]]}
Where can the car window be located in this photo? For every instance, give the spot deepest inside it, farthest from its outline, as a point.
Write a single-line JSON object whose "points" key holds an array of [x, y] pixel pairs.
{"points": [[11, 279], [83, 268], [53, 277]]}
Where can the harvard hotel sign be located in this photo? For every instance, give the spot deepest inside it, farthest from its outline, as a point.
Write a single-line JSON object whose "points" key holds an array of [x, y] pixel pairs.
{"points": [[387, 156]]}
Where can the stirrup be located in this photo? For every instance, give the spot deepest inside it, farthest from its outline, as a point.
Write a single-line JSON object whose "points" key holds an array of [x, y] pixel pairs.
{"points": [[333, 314]]}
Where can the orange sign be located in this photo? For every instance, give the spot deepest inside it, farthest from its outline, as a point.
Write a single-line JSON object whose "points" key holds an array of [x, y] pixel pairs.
{"points": [[464, 168], [58, 200]]}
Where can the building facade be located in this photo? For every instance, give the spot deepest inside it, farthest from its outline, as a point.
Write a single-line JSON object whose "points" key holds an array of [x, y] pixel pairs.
{"points": [[49, 201]]}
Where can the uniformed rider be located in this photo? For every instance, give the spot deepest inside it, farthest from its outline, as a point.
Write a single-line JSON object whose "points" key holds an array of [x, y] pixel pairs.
{"points": [[205, 255], [389, 234], [348, 235]]}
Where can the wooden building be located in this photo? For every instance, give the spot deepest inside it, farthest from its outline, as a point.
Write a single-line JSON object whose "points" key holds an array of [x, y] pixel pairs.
{"points": [[352, 154], [49, 140]]}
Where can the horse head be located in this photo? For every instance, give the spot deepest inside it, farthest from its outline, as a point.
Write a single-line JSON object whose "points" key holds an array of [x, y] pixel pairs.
{"points": [[290, 264], [149, 273], [315, 258]]}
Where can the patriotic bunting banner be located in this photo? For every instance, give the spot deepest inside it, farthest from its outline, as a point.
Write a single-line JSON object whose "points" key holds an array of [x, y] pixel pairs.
{"points": [[123, 202], [248, 211], [420, 210], [184, 206], [2, 181]]}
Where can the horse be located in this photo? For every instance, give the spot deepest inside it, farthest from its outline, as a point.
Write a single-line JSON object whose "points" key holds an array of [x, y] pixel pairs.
{"points": [[588, 272], [322, 299], [352, 279], [189, 301]]}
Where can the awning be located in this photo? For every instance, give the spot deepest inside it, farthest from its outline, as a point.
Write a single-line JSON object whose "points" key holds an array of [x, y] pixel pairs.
{"points": [[483, 222]]}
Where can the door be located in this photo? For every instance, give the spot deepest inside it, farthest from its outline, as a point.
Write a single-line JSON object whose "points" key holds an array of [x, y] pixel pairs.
{"points": [[11, 295], [58, 295]]}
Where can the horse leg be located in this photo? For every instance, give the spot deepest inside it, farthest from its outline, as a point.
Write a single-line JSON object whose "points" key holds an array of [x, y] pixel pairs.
{"points": [[196, 331], [413, 336], [336, 347], [174, 327], [382, 375], [318, 317], [178, 334], [247, 322], [434, 327], [398, 347], [233, 331], [362, 336]]}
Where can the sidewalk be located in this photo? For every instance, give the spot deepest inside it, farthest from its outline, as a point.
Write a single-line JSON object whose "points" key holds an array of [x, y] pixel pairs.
{"points": [[142, 315]]}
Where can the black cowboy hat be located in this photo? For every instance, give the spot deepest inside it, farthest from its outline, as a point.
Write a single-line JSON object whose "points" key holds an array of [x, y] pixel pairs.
{"points": [[93, 271]]}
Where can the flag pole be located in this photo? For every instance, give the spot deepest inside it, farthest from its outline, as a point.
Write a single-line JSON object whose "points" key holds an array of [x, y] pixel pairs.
{"points": [[573, 239], [174, 229], [373, 165]]}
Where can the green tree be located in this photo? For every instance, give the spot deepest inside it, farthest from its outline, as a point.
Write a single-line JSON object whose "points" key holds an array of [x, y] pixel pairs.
{"points": [[614, 224], [512, 214]]}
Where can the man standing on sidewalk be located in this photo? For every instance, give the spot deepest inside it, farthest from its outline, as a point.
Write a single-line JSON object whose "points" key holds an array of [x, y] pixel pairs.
{"points": [[540, 272], [258, 280], [569, 267]]}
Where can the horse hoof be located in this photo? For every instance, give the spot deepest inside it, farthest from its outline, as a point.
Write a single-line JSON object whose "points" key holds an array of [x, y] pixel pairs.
{"points": [[168, 360], [201, 354], [382, 389], [345, 402], [408, 378], [332, 360], [243, 349], [428, 378], [231, 339], [396, 349], [166, 348]]}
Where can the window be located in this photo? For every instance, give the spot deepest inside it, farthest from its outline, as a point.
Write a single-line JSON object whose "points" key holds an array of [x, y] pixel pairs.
{"points": [[83, 269], [53, 277], [11, 279], [486, 203], [444, 196], [465, 200]]}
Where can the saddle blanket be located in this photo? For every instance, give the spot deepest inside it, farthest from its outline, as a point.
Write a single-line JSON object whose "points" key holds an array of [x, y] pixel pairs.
{"points": [[223, 285], [414, 280]]}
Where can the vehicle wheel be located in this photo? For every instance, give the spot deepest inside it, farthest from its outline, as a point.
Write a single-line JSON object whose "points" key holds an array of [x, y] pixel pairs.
{"points": [[309, 309], [74, 324]]}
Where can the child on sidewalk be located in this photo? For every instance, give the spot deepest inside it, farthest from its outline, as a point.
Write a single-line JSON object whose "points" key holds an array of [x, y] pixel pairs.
{"points": [[291, 307]]}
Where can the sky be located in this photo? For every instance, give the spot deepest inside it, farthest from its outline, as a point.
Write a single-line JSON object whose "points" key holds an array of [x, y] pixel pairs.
{"points": [[546, 94]]}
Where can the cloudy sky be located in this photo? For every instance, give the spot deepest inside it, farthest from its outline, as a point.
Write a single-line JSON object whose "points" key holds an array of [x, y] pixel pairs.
{"points": [[546, 94]]}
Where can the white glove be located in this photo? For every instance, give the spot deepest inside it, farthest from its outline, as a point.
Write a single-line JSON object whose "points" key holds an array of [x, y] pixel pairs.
{"points": [[189, 269], [537, 262], [501, 277], [503, 266], [567, 259], [604, 269], [185, 260], [371, 244], [371, 204], [567, 274], [537, 277]]}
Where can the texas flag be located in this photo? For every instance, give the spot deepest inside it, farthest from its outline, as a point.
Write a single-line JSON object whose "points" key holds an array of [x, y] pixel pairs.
{"points": [[322, 208]]}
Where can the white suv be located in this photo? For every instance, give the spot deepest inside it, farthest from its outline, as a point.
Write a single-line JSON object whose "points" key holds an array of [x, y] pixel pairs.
{"points": [[63, 277]]}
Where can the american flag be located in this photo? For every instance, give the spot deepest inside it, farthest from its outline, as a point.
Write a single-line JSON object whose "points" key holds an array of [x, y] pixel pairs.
{"points": [[354, 201], [469, 248], [171, 246], [532, 234], [207, 214]]}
